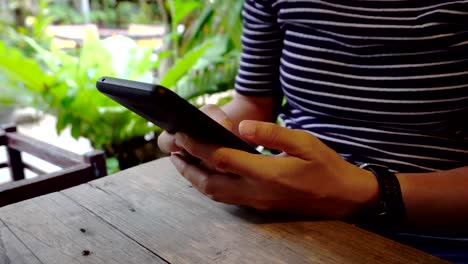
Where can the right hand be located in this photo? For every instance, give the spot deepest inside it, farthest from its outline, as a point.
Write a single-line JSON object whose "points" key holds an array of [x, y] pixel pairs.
{"points": [[167, 143]]}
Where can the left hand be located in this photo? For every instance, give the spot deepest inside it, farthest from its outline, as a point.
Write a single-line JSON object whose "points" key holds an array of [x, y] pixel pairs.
{"points": [[307, 178]]}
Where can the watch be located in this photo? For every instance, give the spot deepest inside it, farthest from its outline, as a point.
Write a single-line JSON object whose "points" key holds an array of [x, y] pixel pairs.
{"points": [[390, 213]]}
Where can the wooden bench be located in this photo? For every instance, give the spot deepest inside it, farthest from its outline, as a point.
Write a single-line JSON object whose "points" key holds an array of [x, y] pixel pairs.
{"points": [[75, 169]]}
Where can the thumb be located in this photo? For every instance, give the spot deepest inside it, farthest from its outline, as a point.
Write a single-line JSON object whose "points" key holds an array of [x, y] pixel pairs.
{"points": [[294, 142]]}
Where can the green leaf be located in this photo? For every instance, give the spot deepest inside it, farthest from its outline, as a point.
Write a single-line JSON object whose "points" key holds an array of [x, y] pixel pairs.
{"points": [[48, 57], [218, 48], [64, 119], [76, 129], [195, 31], [232, 20], [7, 100], [161, 57], [183, 65], [67, 101], [182, 8], [17, 67]]}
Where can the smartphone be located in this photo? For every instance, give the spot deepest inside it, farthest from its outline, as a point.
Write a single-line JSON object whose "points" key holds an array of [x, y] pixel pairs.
{"points": [[169, 111]]}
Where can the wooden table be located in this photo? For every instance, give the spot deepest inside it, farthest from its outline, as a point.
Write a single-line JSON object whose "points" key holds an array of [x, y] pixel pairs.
{"points": [[149, 214]]}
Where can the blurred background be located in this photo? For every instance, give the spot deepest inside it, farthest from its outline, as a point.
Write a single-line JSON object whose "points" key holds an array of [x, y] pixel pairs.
{"points": [[53, 51]]}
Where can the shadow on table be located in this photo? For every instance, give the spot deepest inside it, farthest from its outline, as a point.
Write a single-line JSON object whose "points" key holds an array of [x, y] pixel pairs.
{"points": [[255, 216]]}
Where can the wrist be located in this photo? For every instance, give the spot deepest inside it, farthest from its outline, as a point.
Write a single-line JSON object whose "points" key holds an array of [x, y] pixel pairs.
{"points": [[365, 191], [389, 213], [370, 190]]}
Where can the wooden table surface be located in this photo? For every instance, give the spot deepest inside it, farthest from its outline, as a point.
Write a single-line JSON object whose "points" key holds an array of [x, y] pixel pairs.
{"points": [[149, 214]]}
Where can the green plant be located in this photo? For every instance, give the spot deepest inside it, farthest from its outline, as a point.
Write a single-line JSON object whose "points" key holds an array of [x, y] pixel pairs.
{"points": [[206, 53], [64, 85], [30, 21], [64, 12], [203, 60], [117, 13]]}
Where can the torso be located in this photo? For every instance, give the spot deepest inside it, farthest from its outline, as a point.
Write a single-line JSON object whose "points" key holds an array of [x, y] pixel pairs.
{"points": [[379, 81]]}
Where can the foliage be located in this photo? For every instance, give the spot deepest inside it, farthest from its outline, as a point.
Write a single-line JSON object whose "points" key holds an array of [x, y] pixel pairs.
{"points": [[206, 53], [114, 13], [203, 60], [64, 12], [32, 22], [65, 86], [109, 13]]}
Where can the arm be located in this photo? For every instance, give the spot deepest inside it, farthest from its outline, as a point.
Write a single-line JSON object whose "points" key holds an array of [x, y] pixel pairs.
{"points": [[318, 182], [250, 108], [257, 84], [436, 200]]}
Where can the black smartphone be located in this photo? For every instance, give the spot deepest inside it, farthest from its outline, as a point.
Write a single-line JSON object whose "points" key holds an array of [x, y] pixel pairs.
{"points": [[169, 111]]}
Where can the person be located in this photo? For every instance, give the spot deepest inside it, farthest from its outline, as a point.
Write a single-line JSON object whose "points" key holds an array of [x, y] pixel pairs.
{"points": [[366, 82]]}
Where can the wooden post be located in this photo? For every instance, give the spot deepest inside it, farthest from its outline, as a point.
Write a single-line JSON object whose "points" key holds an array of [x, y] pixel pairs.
{"points": [[97, 159], [85, 10], [83, 6], [4, 12], [14, 157]]}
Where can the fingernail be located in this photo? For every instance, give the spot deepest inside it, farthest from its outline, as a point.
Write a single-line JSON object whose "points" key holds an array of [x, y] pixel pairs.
{"points": [[227, 123], [247, 129], [180, 139], [176, 160]]}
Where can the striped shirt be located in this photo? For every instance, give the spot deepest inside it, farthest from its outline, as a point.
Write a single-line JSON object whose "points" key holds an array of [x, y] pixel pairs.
{"points": [[378, 81], [382, 81]]}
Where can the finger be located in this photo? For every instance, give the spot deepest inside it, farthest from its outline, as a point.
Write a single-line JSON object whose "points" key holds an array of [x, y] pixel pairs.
{"points": [[294, 142], [196, 176], [234, 161], [253, 166], [195, 150], [166, 143], [217, 114], [219, 187]]}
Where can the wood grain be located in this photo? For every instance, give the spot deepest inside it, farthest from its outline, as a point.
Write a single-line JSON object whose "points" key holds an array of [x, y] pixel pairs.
{"points": [[12, 250], [57, 230], [154, 206]]}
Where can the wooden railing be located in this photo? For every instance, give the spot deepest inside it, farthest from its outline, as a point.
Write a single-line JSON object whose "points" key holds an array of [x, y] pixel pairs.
{"points": [[75, 169]]}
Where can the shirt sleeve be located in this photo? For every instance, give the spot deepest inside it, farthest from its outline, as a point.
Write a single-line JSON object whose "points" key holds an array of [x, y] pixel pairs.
{"points": [[262, 43]]}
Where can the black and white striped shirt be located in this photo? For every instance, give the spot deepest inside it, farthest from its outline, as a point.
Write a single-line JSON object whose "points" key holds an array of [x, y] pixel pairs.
{"points": [[378, 81]]}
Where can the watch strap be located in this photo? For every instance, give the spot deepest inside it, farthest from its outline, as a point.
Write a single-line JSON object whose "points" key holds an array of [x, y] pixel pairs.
{"points": [[390, 212]]}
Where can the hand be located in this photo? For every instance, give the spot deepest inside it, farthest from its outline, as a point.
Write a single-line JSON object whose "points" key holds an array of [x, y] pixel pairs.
{"points": [[307, 178]]}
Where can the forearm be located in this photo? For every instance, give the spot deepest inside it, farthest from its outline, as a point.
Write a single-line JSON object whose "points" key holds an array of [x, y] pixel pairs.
{"points": [[250, 108], [436, 201]]}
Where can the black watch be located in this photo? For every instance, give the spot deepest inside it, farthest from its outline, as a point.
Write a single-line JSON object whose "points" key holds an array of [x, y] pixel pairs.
{"points": [[390, 213]]}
